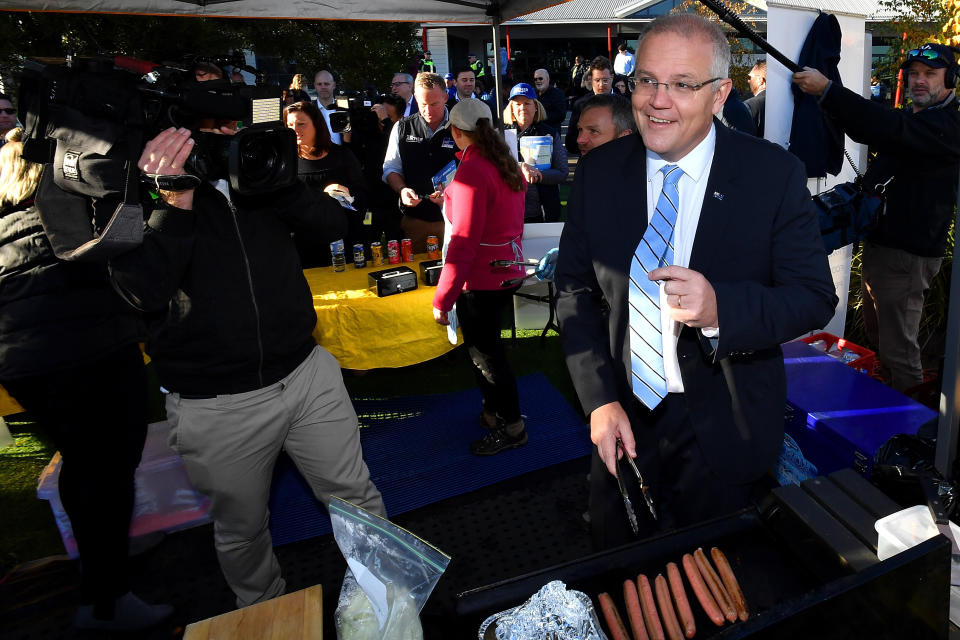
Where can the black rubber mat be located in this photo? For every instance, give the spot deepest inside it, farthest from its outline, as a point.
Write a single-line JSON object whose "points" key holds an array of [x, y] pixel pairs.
{"points": [[513, 527]]}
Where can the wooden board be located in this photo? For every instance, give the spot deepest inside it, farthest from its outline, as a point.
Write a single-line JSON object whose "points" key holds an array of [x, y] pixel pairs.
{"points": [[295, 616]]}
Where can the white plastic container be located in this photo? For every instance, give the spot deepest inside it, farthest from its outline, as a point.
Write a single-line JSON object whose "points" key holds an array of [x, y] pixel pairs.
{"points": [[907, 528]]}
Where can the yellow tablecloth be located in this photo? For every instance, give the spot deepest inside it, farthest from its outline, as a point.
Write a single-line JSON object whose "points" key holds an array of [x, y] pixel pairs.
{"points": [[367, 332], [360, 329]]}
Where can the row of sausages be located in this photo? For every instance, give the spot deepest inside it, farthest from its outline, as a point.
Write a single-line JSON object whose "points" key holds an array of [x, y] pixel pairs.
{"points": [[717, 591]]}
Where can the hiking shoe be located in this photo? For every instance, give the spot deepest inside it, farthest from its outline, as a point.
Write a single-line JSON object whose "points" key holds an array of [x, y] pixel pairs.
{"points": [[496, 441]]}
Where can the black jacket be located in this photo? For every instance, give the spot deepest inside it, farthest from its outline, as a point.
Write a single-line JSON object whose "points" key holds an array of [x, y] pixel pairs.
{"points": [[228, 308], [921, 152], [53, 314], [817, 140], [555, 104]]}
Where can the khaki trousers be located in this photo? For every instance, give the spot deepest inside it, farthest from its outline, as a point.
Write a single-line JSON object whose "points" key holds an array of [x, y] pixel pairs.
{"points": [[229, 445], [893, 282]]}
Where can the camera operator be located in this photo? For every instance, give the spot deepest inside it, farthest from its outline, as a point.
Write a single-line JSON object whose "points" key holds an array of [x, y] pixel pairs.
{"points": [[230, 323], [69, 355], [917, 161]]}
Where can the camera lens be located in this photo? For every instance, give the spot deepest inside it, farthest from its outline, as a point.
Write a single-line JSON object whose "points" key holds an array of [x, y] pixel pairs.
{"points": [[263, 158]]}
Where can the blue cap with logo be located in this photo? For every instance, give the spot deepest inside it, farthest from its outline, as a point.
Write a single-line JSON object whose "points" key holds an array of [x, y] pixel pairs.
{"points": [[523, 89], [448, 76]]}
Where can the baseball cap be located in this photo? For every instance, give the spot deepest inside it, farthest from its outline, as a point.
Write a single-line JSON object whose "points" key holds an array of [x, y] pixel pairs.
{"points": [[427, 53], [448, 76], [935, 56], [471, 55], [465, 114], [523, 89]]}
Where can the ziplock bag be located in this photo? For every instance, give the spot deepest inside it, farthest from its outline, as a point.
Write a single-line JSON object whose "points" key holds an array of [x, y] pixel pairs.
{"points": [[390, 575]]}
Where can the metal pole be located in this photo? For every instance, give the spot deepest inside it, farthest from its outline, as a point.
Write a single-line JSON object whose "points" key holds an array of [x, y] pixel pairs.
{"points": [[498, 116], [949, 390]]}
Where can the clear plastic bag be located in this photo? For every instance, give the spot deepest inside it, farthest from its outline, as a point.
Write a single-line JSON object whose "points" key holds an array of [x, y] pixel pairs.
{"points": [[390, 575], [553, 613]]}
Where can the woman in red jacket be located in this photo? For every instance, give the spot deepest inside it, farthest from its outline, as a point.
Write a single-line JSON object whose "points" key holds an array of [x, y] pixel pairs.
{"points": [[483, 208]]}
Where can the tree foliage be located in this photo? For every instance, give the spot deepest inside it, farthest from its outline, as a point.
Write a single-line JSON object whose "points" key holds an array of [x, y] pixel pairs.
{"points": [[357, 52], [913, 23], [741, 58]]}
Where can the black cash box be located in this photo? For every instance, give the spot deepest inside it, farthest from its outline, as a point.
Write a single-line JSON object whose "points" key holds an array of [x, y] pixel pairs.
{"points": [[430, 272], [390, 281]]}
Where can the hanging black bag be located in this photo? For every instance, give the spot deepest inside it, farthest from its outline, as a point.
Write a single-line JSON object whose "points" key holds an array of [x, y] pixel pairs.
{"points": [[848, 211]]}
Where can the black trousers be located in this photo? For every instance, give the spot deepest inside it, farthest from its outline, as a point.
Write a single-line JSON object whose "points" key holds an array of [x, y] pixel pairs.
{"points": [[550, 201], [96, 415], [479, 314], [684, 489]]}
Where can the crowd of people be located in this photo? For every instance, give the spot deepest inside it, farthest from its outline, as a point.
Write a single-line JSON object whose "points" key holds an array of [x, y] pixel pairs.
{"points": [[672, 344]]}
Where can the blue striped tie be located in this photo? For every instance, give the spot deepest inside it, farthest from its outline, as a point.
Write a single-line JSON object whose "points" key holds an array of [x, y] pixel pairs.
{"points": [[655, 250]]}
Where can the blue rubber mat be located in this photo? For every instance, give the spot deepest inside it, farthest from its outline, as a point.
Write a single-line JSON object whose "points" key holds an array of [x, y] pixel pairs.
{"points": [[418, 451]]}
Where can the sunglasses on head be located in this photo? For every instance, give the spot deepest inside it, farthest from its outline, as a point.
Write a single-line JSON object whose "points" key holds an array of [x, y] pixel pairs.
{"points": [[929, 54], [9, 112]]}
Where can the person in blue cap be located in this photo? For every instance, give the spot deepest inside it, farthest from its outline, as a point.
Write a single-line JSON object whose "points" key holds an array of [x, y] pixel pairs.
{"points": [[916, 168], [451, 86], [525, 113]]}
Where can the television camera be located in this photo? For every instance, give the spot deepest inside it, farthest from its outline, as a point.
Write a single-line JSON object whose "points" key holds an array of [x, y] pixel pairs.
{"points": [[88, 119]]}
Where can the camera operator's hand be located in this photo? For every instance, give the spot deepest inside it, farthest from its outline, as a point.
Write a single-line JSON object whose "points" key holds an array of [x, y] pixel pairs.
{"points": [[409, 197], [166, 154], [380, 110]]}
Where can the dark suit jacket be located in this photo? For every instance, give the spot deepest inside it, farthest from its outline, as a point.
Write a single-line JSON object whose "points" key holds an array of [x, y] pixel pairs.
{"points": [[759, 248]]}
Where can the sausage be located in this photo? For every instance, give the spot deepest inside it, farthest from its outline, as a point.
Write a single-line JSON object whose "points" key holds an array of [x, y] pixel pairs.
{"points": [[700, 590], [634, 613], [612, 617], [649, 607], [670, 622], [716, 587], [684, 611], [730, 582]]}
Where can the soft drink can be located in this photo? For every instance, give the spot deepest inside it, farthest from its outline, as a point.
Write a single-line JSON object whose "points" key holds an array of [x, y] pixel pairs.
{"points": [[433, 247], [376, 254], [337, 256], [406, 249], [359, 257], [393, 252]]}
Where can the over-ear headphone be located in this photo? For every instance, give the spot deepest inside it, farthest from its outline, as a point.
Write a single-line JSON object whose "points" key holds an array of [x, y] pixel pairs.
{"points": [[950, 73]]}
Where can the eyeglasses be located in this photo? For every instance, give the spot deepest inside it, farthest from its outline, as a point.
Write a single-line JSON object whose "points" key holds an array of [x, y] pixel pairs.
{"points": [[397, 84], [647, 85], [538, 78], [9, 112]]}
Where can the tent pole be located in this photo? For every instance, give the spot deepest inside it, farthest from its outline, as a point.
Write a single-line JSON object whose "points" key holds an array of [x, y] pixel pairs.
{"points": [[496, 67], [949, 392]]}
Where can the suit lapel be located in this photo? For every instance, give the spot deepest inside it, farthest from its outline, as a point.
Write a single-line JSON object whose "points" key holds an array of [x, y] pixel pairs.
{"points": [[631, 213], [718, 207]]}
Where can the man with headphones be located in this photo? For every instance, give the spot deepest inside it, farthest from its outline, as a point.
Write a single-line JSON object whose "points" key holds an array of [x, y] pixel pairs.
{"points": [[918, 157]]}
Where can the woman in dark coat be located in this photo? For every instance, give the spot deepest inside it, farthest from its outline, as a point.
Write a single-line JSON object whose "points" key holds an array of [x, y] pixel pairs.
{"points": [[69, 355]]}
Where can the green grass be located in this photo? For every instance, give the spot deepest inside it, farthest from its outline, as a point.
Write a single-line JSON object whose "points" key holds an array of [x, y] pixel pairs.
{"points": [[29, 531]]}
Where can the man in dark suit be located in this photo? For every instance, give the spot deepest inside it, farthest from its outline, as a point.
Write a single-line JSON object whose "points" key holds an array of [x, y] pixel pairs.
{"points": [[745, 272]]}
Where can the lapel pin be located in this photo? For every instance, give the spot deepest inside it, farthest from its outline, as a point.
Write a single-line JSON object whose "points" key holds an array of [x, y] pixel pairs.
{"points": [[718, 195]]}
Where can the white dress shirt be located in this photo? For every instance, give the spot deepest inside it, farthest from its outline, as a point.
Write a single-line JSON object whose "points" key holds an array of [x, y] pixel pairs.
{"points": [[691, 187], [334, 137]]}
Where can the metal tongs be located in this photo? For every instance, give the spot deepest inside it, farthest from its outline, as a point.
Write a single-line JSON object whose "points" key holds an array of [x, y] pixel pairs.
{"points": [[544, 268], [644, 488]]}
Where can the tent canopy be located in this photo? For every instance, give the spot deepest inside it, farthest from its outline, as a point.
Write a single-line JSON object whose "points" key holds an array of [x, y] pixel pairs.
{"points": [[462, 11]]}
